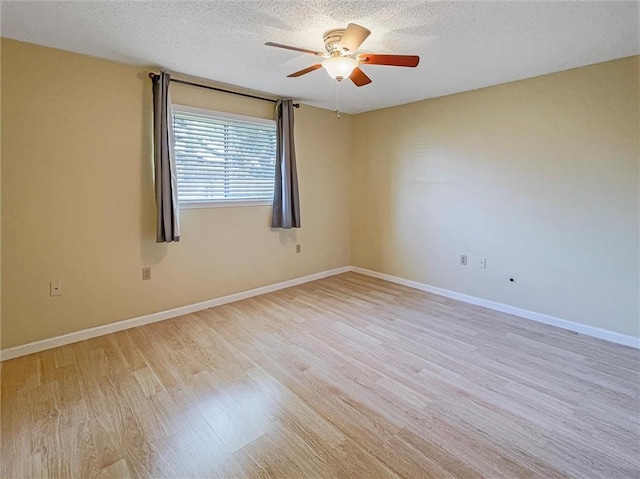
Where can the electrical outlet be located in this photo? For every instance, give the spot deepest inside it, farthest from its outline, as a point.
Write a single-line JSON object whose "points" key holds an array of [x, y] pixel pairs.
{"points": [[483, 263], [463, 259], [298, 248], [55, 288], [146, 274]]}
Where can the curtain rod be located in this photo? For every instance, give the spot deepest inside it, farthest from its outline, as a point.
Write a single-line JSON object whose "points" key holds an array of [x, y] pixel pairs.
{"points": [[199, 85]]}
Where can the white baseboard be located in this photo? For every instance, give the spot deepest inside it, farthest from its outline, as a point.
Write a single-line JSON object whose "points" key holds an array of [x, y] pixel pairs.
{"points": [[600, 333], [76, 336], [44, 344]]}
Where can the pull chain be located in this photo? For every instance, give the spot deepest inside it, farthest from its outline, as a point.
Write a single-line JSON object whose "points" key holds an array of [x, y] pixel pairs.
{"points": [[337, 110]]}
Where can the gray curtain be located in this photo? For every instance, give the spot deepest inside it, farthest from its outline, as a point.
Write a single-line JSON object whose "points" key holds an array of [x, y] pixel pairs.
{"points": [[286, 201], [168, 227]]}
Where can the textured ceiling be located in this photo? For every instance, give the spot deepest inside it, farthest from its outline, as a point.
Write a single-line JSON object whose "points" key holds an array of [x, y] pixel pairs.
{"points": [[462, 45]]}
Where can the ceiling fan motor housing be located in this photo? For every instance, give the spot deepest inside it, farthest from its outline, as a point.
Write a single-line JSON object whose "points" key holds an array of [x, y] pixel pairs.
{"points": [[332, 40]]}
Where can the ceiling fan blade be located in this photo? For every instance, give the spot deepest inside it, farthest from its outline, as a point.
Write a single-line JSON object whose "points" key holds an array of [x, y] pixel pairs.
{"points": [[295, 49], [305, 71], [353, 37], [391, 60], [359, 77]]}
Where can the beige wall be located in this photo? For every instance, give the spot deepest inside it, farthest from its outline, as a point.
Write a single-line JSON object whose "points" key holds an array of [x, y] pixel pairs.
{"points": [[538, 176], [78, 206]]}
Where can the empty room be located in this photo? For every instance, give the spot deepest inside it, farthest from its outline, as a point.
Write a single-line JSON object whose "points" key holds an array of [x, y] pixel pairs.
{"points": [[319, 239]]}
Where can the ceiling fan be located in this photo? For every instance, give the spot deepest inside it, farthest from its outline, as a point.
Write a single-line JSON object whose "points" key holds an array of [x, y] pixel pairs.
{"points": [[342, 61]]}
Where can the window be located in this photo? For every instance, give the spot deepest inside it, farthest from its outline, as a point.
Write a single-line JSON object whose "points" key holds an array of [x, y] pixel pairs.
{"points": [[223, 158]]}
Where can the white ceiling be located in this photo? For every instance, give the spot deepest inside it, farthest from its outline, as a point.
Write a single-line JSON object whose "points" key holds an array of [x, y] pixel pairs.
{"points": [[462, 45]]}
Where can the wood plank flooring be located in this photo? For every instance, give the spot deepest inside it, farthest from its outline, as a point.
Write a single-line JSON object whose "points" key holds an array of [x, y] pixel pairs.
{"points": [[349, 377]]}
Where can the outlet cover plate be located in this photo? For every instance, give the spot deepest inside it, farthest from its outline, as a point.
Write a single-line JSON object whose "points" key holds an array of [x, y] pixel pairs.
{"points": [[55, 288], [146, 274]]}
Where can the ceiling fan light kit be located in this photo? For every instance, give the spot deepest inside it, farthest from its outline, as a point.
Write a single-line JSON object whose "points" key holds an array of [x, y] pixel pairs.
{"points": [[339, 67]]}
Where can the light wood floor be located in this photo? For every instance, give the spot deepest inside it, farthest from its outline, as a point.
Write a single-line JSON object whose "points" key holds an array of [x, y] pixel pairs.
{"points": [[347, 377]]}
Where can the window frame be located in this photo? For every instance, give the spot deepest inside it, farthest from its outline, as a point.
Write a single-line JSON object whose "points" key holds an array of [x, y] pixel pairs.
{"points": [[219, 203]]}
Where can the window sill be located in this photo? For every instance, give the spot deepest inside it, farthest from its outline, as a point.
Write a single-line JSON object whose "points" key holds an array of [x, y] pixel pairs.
{"points": [[187, 205]]}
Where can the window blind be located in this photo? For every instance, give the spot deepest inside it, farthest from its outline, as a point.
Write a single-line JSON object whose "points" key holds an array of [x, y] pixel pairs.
{"points": [[223, 159]]}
